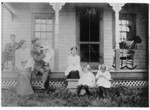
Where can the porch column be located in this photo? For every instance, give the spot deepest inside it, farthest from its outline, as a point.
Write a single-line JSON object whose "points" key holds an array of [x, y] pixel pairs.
{"points": [[57, 7], [117, 7]]}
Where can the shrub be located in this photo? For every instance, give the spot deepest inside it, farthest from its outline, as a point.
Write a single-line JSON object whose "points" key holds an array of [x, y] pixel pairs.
{"points": [[114, 97]]}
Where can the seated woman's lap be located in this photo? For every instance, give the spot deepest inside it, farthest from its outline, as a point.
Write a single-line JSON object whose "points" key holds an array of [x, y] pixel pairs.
{"points": [[73, 75]]}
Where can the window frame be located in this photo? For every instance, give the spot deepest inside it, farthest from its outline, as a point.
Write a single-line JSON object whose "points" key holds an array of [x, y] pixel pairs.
{"points": [[43, 16], [128, 18], [100, 42]]}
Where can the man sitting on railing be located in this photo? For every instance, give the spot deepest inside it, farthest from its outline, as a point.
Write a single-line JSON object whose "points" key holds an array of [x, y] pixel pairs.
{"points": [[38, 55]]}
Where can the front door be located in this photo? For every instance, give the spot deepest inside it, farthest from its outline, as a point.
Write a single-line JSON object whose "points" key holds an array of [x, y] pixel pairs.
{"points": [[89, 36]]}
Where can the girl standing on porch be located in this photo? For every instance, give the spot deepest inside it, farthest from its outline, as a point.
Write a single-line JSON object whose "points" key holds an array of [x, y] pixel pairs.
{"points": [[24, 64], [103, 78], [74, 69]]}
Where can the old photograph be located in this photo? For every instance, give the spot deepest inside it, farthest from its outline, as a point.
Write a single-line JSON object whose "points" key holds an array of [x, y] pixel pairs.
{"points": [[74, 54]]}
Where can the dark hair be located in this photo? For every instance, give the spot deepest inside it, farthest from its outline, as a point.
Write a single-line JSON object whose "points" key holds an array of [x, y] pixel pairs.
{"points": [[12, 35], [73, 48], [34, 39]]}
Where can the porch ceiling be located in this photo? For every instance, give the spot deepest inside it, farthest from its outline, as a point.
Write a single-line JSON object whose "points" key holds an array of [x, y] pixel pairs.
{"points": [[88, 4], [19, 5]]}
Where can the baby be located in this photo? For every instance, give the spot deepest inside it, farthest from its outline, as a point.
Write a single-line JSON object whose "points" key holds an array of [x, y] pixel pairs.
{"points": [[87, 79], [103, 78], [49, 52]]}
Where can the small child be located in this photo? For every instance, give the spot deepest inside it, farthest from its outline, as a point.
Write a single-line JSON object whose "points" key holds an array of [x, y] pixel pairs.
{"points": [[103, 78], [48, 51], [87, 79]]}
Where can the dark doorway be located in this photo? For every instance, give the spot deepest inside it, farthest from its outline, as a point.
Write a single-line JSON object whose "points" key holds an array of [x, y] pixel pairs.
{"points": [[89, 35]]}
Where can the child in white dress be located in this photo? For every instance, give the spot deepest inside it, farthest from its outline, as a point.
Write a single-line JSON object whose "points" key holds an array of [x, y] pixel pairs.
{"points": [[87, 79], [49, 52], [73, 70], [103, 78]]}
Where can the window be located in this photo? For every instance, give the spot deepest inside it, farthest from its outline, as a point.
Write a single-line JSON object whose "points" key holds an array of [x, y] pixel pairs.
{"points": [[127, 27], [89, 40], [43, 29]]}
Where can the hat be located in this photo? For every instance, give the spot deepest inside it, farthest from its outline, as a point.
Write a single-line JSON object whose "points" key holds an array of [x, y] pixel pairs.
{"points": [[21, 42], [34, 39]]}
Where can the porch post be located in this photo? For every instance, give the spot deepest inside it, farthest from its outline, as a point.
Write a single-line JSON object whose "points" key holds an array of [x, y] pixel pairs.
{"points": [[57, 7], [117, 7]]}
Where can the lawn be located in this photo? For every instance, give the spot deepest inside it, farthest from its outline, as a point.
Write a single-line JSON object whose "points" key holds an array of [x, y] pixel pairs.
{"points": [[61, 97]]}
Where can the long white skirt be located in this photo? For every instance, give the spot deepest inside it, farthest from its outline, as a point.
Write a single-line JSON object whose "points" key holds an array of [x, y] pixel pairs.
{"points": [[23, 84]]}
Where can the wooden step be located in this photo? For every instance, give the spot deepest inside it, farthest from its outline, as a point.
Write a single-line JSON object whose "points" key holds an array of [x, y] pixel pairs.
{"points": [[121, 75]]}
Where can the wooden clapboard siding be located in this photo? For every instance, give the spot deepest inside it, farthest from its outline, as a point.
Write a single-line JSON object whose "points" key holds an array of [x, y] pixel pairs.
{"points": [[41, 8], [67, 36], [20, 25], [140, 55], [107, 23]]}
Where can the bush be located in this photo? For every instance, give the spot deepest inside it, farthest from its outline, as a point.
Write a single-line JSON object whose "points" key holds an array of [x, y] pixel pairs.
{"points": [[114, 97]]}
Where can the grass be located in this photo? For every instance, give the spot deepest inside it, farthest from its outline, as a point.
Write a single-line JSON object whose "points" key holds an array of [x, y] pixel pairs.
{"points": [[61, 97]]}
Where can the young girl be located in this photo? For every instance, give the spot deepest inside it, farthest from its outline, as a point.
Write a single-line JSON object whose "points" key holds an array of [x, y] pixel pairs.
{"points": [[103, 78], [73, 70], [87, 79]]}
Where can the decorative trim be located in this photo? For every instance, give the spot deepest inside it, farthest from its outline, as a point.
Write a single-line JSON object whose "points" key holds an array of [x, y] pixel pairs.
{"points": [[58, 83]]}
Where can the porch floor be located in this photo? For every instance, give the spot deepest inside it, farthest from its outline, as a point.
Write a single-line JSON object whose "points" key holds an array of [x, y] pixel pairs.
{"points": [[122, 74]]}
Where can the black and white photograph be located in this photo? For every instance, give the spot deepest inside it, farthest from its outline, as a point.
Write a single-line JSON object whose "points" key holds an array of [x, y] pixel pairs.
{"points": [[75, 54]]}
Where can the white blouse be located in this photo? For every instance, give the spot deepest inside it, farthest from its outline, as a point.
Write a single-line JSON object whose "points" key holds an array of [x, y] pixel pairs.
{"points": [[23, 55], [73, 60], [73, 64]]}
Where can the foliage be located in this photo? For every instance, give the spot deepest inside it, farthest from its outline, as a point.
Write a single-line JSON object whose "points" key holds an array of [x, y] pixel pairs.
{"points": [[114, 97]]}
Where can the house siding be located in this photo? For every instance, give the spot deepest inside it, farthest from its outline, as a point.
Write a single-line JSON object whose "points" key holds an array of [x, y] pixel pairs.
{"points": [[141, 55], [67, 36], [108, 50], [20, 25]]}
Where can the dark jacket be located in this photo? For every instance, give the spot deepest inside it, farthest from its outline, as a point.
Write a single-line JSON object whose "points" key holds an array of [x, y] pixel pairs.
{"points": [[38, 56]]}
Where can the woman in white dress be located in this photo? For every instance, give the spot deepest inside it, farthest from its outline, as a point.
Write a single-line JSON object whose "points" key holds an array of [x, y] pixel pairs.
{"points": [[24, 65], [103, 78], [73, 70], [87, 79]]}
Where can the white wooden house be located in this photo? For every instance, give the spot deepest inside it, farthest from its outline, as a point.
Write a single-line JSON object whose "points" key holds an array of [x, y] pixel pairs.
{"points": [[95, 28]]}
